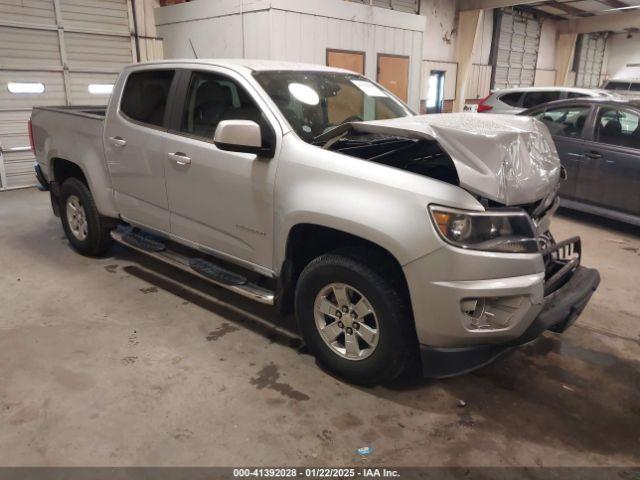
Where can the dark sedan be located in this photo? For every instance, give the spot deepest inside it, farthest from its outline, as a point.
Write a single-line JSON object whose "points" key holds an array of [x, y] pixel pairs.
{"points": [[599, 145]]}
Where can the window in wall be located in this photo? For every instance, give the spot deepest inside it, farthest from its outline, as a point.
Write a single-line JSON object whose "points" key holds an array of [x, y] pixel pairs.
{"points": [[100, 88], [25, 87], [565, 121], [145, 96]]}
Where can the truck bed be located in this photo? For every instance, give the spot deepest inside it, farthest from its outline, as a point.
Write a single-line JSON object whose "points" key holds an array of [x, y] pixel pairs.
{"points": [[75, 135], [83, 111]]}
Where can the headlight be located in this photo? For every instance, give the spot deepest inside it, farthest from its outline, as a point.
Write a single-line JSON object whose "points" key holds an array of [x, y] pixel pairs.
{"points": [[491, 231]]}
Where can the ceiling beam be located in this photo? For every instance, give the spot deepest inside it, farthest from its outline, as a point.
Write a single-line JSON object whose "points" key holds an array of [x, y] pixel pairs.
{"points": [[570, 9], [486, 4], [614, 22]]}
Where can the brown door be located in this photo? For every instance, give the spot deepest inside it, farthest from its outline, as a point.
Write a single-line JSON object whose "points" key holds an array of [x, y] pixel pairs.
{"points": [[393, 74], [348, 60]]}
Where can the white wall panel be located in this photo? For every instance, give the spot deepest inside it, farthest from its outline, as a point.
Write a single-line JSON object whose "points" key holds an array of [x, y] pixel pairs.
{"points": [[96, 15], [80, 87], [32, 12], [53, 93], [29, 48], [297, 31], [86, 51]]}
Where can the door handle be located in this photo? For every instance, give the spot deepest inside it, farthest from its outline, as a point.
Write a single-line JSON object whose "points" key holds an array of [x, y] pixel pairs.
{"points": [[575, 155], [594, 155], [117, 141], [180, 158]]}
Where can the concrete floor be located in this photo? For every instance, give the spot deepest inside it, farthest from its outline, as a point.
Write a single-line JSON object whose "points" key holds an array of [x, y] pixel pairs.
{"points": [[124, 361]]}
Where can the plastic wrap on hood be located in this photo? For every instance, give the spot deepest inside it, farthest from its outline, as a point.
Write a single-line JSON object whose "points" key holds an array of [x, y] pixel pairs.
{"points": [[508, 159]]}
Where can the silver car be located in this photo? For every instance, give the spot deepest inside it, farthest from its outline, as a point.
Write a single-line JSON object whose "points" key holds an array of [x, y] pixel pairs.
{"points": [[316, 190], [516, 100]]}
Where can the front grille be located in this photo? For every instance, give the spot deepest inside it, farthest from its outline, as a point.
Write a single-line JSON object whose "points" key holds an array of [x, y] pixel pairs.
{"points": [[560, 260]]}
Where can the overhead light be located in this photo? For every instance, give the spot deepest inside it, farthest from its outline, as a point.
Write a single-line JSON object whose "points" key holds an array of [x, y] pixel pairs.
{"points": [[100, 88], [25, 87], [621, 8]]}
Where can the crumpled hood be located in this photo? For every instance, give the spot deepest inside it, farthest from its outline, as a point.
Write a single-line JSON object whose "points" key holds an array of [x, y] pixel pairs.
{"points": [[506, 158]]}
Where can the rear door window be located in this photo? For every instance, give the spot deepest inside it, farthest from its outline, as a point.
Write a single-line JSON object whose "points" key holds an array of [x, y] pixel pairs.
{"points": [[512, 99], [145, 94], [533, 99], [565, 121]]}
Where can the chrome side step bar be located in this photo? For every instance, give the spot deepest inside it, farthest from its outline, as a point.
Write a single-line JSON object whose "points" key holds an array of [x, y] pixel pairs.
{"points": [[248, 290]]}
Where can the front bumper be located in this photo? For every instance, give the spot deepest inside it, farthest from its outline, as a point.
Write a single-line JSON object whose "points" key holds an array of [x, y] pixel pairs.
{"points": [[560, 310]]}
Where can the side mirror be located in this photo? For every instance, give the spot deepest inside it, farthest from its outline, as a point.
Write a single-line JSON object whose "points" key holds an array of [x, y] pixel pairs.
{"points": [[241, 136]]}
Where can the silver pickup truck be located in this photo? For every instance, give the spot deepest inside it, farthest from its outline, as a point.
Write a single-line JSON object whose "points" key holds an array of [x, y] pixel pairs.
{"points": [[394, 237]]}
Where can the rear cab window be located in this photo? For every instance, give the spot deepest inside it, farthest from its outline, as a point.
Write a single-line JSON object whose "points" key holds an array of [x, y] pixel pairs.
{"points": [[145, 95]]}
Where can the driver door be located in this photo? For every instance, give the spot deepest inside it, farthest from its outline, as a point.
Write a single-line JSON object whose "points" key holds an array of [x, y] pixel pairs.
{"points": [[220, 200]]}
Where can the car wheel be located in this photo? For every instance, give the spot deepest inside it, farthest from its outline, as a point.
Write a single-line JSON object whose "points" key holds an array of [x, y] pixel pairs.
{"points": [[86, 229], [354, 320]]}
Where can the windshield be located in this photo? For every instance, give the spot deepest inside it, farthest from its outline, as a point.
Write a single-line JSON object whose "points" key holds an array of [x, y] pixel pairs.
{"points": [[315, 102]]}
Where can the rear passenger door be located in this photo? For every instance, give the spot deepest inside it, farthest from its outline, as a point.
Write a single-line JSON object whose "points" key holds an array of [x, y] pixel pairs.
{"points": [[135, 149], [218, 199], [567, 126], [615, 148]]}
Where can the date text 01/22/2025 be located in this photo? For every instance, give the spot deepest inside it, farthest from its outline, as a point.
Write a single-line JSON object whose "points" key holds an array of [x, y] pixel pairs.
{"points": [[315, 473]]}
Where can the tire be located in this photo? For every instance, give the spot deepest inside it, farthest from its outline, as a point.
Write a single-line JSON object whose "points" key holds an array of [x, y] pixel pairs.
{"points": [[391, 317], [91, 237]]}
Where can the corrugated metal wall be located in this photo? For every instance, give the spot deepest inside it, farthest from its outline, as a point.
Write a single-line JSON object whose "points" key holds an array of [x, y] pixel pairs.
{"points": [[278, 34], [65, 45]]}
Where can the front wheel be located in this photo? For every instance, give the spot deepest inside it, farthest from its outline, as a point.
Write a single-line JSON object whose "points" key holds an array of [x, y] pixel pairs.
{"points": [[354, 320], [87, 230]]}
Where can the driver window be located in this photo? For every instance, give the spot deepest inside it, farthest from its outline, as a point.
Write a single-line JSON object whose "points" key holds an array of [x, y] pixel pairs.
{"points": [[212, 98], [566, 121]]}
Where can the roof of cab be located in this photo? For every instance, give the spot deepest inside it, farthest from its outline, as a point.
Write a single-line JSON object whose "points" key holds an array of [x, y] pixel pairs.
{"points": [[247, 64]]}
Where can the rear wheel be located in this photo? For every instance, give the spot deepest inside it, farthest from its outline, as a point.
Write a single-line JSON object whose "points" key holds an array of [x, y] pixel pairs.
{"points": [[86, 229], [353, 319]]}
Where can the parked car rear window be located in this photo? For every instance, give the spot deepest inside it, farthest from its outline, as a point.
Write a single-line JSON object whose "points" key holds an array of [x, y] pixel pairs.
{"points": [[213, 98], [511, 99], [145, 96], [618, 127], [533, 99], [565, 121], [617, 86], [576, 95]]}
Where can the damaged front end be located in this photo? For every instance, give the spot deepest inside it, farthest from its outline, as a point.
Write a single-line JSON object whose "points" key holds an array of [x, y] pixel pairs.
{"points": [[508, 160]]}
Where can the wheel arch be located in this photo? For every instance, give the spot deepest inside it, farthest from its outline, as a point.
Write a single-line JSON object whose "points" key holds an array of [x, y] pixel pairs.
{"points": [[306, 241]]}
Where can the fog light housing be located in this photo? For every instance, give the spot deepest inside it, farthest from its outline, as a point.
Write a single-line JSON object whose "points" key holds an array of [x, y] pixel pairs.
{"points": [[490, 313]]}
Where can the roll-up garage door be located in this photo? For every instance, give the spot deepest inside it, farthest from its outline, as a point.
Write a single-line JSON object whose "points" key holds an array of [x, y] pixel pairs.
{"points": [[589, 59], [409, 6], [54, 52], [516, 43]]}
